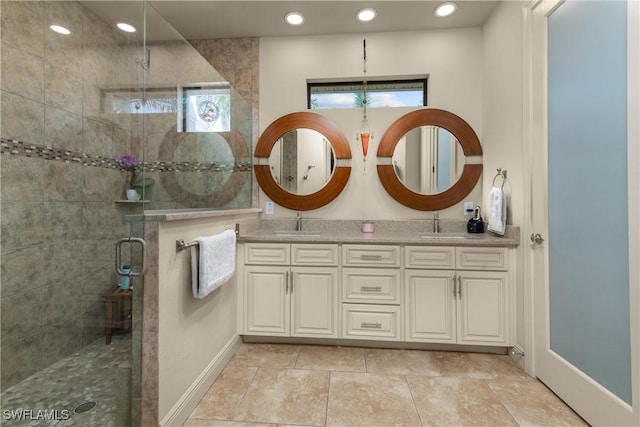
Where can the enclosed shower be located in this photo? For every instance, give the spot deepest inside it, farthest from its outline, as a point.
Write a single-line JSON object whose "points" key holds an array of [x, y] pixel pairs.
{"points": [[73, 106]]}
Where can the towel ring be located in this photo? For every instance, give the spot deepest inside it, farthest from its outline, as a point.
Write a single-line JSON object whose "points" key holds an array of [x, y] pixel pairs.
{"points": [[501, 173]]}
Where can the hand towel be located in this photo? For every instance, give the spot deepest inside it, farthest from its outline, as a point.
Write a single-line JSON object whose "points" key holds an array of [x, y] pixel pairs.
{"points": [[213, 262], [497, 211]]}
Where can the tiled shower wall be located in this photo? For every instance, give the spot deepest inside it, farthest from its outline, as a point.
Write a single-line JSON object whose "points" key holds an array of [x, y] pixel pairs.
{"points": [[59, 221]]}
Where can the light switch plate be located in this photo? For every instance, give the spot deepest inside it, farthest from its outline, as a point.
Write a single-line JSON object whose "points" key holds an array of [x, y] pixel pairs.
{"points": [[468, 208], [268, 209]]}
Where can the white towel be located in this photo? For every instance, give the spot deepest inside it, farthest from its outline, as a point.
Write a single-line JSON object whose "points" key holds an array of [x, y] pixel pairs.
{"points": [[497, 211], [213, 262]]}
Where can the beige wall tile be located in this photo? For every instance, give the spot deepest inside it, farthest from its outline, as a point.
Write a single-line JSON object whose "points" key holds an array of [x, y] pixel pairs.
{"points": [[22, 73], [23, 25]]}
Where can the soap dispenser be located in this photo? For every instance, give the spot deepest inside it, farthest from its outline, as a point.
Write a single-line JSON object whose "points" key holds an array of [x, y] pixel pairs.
{"points": [[475, 224]]}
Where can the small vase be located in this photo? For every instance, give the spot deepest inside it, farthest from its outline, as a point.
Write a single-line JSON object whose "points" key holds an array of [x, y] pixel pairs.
{"points": [[132, 194]]}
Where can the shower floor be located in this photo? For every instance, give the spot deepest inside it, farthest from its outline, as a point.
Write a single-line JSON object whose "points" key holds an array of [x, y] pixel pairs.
{"points": [[97, 373]]}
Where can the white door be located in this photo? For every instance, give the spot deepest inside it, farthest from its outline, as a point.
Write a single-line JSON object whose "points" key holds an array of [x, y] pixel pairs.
{"points": [[583, 138]]}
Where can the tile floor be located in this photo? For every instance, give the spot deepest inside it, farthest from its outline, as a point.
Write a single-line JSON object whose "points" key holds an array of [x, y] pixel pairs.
{"points": [[304, 385], [91, 374]]}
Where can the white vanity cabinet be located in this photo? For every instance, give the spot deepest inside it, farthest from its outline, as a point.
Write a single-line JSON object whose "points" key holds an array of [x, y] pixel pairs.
{"points": [[457, 295], [291, 289], [371, 292]]}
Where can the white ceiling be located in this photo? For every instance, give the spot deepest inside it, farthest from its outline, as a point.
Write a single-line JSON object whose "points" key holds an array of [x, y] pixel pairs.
{"points": [[242, 18]]}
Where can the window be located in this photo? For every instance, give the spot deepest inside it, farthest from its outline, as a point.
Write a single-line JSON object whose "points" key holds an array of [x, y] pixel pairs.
{"points": [[380, 93], [202, 108], [207, 109]]}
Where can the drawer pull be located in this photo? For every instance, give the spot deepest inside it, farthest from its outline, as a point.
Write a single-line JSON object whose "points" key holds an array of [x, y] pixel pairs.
{"points": [[371, 257], [367, 325], [371, 288]]}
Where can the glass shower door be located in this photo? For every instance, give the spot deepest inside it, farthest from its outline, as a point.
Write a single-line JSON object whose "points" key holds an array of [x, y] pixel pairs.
{"points": [[64, 206]]}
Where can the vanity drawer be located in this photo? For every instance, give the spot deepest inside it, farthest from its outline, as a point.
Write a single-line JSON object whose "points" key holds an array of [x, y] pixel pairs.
{"points": [[371, 286], [371, 255], [314, 254], [371, 322], [267, 253], [482, 258], [431, 257]]}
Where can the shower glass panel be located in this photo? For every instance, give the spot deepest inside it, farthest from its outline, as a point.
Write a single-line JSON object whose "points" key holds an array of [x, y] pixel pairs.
{"points": [[63, 208], [84, 117], [198, 119]]}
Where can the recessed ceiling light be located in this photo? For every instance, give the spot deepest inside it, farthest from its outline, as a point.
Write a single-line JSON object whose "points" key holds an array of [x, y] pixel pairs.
{"points": [[60, 30], [126, 27], [366, 14], [294, 18], [445, 9]]}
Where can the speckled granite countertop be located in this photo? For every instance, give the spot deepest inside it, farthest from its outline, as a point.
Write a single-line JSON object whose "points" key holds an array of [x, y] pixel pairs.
{"points": [[452, 233]]}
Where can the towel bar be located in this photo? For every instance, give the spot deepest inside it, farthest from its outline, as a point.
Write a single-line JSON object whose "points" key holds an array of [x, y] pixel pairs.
{"points": [[181, 244], [501, 173]]}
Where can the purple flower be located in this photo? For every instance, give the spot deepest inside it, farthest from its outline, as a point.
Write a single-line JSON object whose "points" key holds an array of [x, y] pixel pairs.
{"points": [[129, 164], [127, 161]]}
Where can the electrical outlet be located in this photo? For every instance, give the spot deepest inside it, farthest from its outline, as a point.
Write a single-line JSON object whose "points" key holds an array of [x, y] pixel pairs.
{"points": [[268, 209], [468, 208]]}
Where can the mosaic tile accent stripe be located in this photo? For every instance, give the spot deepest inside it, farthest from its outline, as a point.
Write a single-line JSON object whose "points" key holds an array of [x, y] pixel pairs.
{"points": [[24, 149]]}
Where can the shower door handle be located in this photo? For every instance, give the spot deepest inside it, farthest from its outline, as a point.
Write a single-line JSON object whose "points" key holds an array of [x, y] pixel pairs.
{"points": [[130, 240]]}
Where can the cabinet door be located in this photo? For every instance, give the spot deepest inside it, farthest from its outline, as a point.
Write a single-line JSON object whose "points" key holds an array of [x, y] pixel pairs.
{"points": [[314, 302], [266, 308], [483, 308], [430, 306]]}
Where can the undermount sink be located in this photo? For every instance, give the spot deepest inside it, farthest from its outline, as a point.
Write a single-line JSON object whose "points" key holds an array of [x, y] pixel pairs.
{"points": [[294, 233], [441, 237]]}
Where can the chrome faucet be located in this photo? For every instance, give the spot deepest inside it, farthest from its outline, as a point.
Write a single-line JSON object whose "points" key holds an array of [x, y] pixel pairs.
{"points": [[299, 221], [436, 222]]}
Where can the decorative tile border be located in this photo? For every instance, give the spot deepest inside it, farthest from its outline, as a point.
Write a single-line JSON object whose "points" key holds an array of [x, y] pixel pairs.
{"points": [[24, 149]]}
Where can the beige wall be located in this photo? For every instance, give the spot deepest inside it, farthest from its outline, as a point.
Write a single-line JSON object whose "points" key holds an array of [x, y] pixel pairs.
{"points": [[451, 58], [502, 122], [192, 333]]}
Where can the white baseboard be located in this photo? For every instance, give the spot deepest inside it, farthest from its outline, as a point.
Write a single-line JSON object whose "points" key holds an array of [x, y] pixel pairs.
{"points": [[189, 400]]}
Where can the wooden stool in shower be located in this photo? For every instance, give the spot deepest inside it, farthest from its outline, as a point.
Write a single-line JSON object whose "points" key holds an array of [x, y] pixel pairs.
{"points": [[115, 313]]}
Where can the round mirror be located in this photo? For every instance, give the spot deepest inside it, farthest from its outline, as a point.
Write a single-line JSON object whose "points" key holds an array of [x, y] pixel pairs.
{"points": [[302, 161], [428, 159], [308, 176], [422, 159]]}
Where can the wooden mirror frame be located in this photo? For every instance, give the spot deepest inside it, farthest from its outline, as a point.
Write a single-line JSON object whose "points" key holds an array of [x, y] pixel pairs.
{"points": [[434, 117], [341, 150]]}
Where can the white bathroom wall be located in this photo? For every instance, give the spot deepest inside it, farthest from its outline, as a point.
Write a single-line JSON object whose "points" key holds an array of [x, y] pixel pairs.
{"points": [[194, 335], [451, 58], [502, 102], [502, 123]]}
